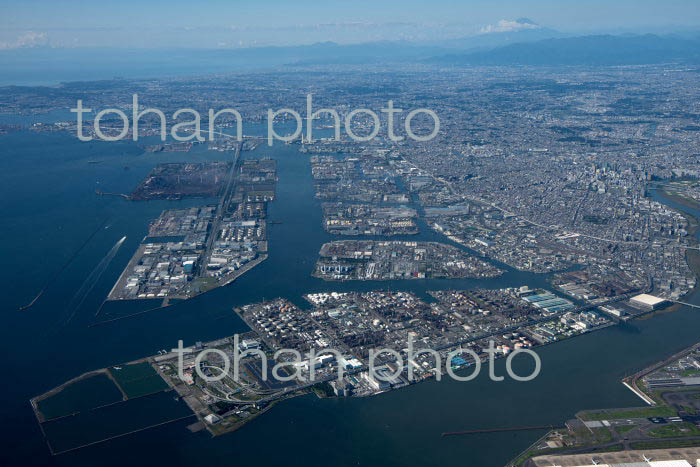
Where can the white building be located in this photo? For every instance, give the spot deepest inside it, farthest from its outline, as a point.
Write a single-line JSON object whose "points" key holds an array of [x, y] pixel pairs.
{"points": [[647, 302]]}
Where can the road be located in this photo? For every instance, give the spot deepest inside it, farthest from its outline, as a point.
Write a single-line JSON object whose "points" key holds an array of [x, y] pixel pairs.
{"points": [[554, 229], [221, 210]]}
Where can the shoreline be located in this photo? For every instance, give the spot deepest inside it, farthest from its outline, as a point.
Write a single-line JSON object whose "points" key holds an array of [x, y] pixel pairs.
{"points": [[692, 257], [693, 261]]}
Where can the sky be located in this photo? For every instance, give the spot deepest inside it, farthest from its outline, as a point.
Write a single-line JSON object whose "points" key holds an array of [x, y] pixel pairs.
{"points": [[246, 23]]}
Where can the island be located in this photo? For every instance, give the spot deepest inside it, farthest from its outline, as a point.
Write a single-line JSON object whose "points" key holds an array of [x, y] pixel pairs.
{"points": [[190, 251]]}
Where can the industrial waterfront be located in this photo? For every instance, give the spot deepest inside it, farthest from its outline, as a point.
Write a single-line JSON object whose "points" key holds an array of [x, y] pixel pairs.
{"points": [[52, 212]]}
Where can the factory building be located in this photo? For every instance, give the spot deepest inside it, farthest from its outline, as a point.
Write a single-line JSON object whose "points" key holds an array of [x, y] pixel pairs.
{"points": [[647, 302]]}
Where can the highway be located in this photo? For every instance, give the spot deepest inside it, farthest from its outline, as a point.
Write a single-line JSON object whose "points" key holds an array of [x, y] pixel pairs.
{"points": [[221, 209]]}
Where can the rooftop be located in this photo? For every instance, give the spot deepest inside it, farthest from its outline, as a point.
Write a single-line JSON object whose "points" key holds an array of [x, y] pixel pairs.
{"points": [[647, 299]]}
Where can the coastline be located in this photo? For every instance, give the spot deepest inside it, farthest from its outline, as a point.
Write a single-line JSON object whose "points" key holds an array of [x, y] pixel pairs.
{"points": [[693, 261]]}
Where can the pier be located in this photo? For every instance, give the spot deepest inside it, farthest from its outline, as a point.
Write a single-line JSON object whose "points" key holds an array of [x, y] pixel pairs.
{"points": [[496, 430]]}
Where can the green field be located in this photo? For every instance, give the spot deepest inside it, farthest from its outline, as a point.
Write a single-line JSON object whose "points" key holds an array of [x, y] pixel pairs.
{"points": [[138, 379], [624, 429], [675, 430], [628, 413], [665, 444], [602, 435]]}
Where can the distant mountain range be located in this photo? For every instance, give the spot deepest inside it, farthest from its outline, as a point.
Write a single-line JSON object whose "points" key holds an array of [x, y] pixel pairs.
{"points": [[504, 33], [499, 39], [509, 43], [585, 50], [528, 49]]}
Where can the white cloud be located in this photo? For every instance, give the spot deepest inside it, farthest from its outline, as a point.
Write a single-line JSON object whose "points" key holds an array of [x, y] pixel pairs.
{"points": [[505, 25], [27, 40]]}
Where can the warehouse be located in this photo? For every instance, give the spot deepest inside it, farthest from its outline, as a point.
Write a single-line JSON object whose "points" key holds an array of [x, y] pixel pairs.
{"points": [[647, 302]]}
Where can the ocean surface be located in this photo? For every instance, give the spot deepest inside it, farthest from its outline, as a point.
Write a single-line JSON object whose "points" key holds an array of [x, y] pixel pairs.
{"points": [[50, 209], [49, 66]]}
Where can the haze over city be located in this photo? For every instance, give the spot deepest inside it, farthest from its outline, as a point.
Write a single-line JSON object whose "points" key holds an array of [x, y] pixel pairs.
{"points": [[247, 23]]}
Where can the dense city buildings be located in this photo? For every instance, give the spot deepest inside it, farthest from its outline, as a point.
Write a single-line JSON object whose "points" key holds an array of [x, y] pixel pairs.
{"points": [[371, 260], [552, 169]]}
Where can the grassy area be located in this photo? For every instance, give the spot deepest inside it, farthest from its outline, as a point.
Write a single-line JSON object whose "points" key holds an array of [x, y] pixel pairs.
{"points": [[665, 444], [681, 198], [646, 412], [323, 390], [204, 284], [624, 429], [138, 379], [592, 436], [535, 452], [675, 430], [248, 396], [602, 435]]}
